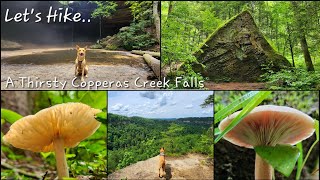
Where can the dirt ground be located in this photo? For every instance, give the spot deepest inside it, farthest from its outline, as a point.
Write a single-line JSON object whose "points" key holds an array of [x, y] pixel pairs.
{"points": [[192, 166], [234, 86], [54, 68]]}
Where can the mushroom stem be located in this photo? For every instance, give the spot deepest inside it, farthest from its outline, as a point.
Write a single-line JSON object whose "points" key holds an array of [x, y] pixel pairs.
{"points": [[61, 161], [263, 170]]}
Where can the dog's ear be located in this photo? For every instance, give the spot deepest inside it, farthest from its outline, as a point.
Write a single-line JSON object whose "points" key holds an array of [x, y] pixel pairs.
{"points": [[77, 47], [85, 48]]}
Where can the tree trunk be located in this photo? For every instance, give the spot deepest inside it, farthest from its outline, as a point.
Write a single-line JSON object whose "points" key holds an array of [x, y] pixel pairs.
{"points": [[291, 51], [17, 101], [156, 19], [289, 31], [170, 8], [156, 54], [302, 37], [153, 63], [306, 54], [169, 11]]}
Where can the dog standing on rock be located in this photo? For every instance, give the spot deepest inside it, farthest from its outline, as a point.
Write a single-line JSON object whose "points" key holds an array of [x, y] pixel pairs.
{"points": [[81, 67], [162, 162]]}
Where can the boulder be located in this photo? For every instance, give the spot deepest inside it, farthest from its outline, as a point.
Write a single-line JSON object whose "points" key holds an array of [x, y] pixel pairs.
{"points": [[238, 52], [112, 43], [108, 43]]}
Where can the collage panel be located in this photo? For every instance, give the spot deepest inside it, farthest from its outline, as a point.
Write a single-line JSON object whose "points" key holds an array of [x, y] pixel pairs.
{"points": [[241, 45], [266, 135], [160, 135], [53, 134], [160, 90], [86, 45]]}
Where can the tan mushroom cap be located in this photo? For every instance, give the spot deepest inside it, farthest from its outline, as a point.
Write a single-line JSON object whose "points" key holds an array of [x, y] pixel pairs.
{"points": [[73, 122], [269, 125]]}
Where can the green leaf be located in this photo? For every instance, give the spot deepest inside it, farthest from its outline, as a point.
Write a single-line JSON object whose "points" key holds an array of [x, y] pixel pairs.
{"points": [[55, 97], [281, 157], [316, 127], [254, 102], [300, 160], [102, 117], [301, 165], [10, 116], [216, 131], [46, 154], [95, 99], [70, 156], [234, 106]]}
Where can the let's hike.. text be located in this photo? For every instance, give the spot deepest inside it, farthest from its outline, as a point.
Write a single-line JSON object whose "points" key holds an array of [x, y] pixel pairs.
{"points": [[54, 15]]}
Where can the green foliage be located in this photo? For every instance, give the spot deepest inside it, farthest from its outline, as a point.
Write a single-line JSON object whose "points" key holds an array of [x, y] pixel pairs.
{"points": [[182, 31], [301, 161], [234, 106], [90, 155], [187, 74], [170, 140], [186, 25], [132, 139], [292, 78], [208, 101], [104, 9], [136, 37], [10, 116], [140, 10], [281, 157], [95, 99]]}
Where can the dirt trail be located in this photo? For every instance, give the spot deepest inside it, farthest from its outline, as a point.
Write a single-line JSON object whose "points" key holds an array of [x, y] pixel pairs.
{"points": [[192, 166], [114, 69], [235, 86]]}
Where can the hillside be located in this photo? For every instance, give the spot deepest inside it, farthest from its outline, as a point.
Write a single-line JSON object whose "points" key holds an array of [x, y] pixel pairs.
{"points": [[134, 139]]}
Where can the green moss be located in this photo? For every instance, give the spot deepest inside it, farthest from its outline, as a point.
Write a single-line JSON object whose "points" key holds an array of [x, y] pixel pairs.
{"points": [[221, 26], [111, 47], [96, 46]]}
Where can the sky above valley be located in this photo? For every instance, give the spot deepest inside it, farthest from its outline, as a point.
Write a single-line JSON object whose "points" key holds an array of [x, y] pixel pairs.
{"points": [[159, 104]]}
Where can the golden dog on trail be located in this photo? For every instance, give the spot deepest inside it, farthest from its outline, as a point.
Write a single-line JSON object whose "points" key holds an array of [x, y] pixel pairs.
{"points": [[81, 67], [162, 162]]}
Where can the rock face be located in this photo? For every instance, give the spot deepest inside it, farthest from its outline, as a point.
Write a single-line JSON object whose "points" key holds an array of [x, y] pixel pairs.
{"points": [[238, 52], [191, 166]]}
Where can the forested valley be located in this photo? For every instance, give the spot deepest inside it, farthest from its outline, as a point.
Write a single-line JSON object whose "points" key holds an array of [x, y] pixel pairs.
{"points": [[133, 139], [290, 27]]}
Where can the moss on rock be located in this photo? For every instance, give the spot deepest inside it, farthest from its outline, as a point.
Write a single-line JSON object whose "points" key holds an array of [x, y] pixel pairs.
{"points": [[238, 51]]}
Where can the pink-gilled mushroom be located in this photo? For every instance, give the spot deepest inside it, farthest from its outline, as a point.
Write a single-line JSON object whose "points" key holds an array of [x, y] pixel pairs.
{"points": [[268, 125], [53, 129]]}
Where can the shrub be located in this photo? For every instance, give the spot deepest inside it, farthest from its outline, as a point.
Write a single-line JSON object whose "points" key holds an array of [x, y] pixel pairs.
{"points": [[136, 37], [292, 78]]}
